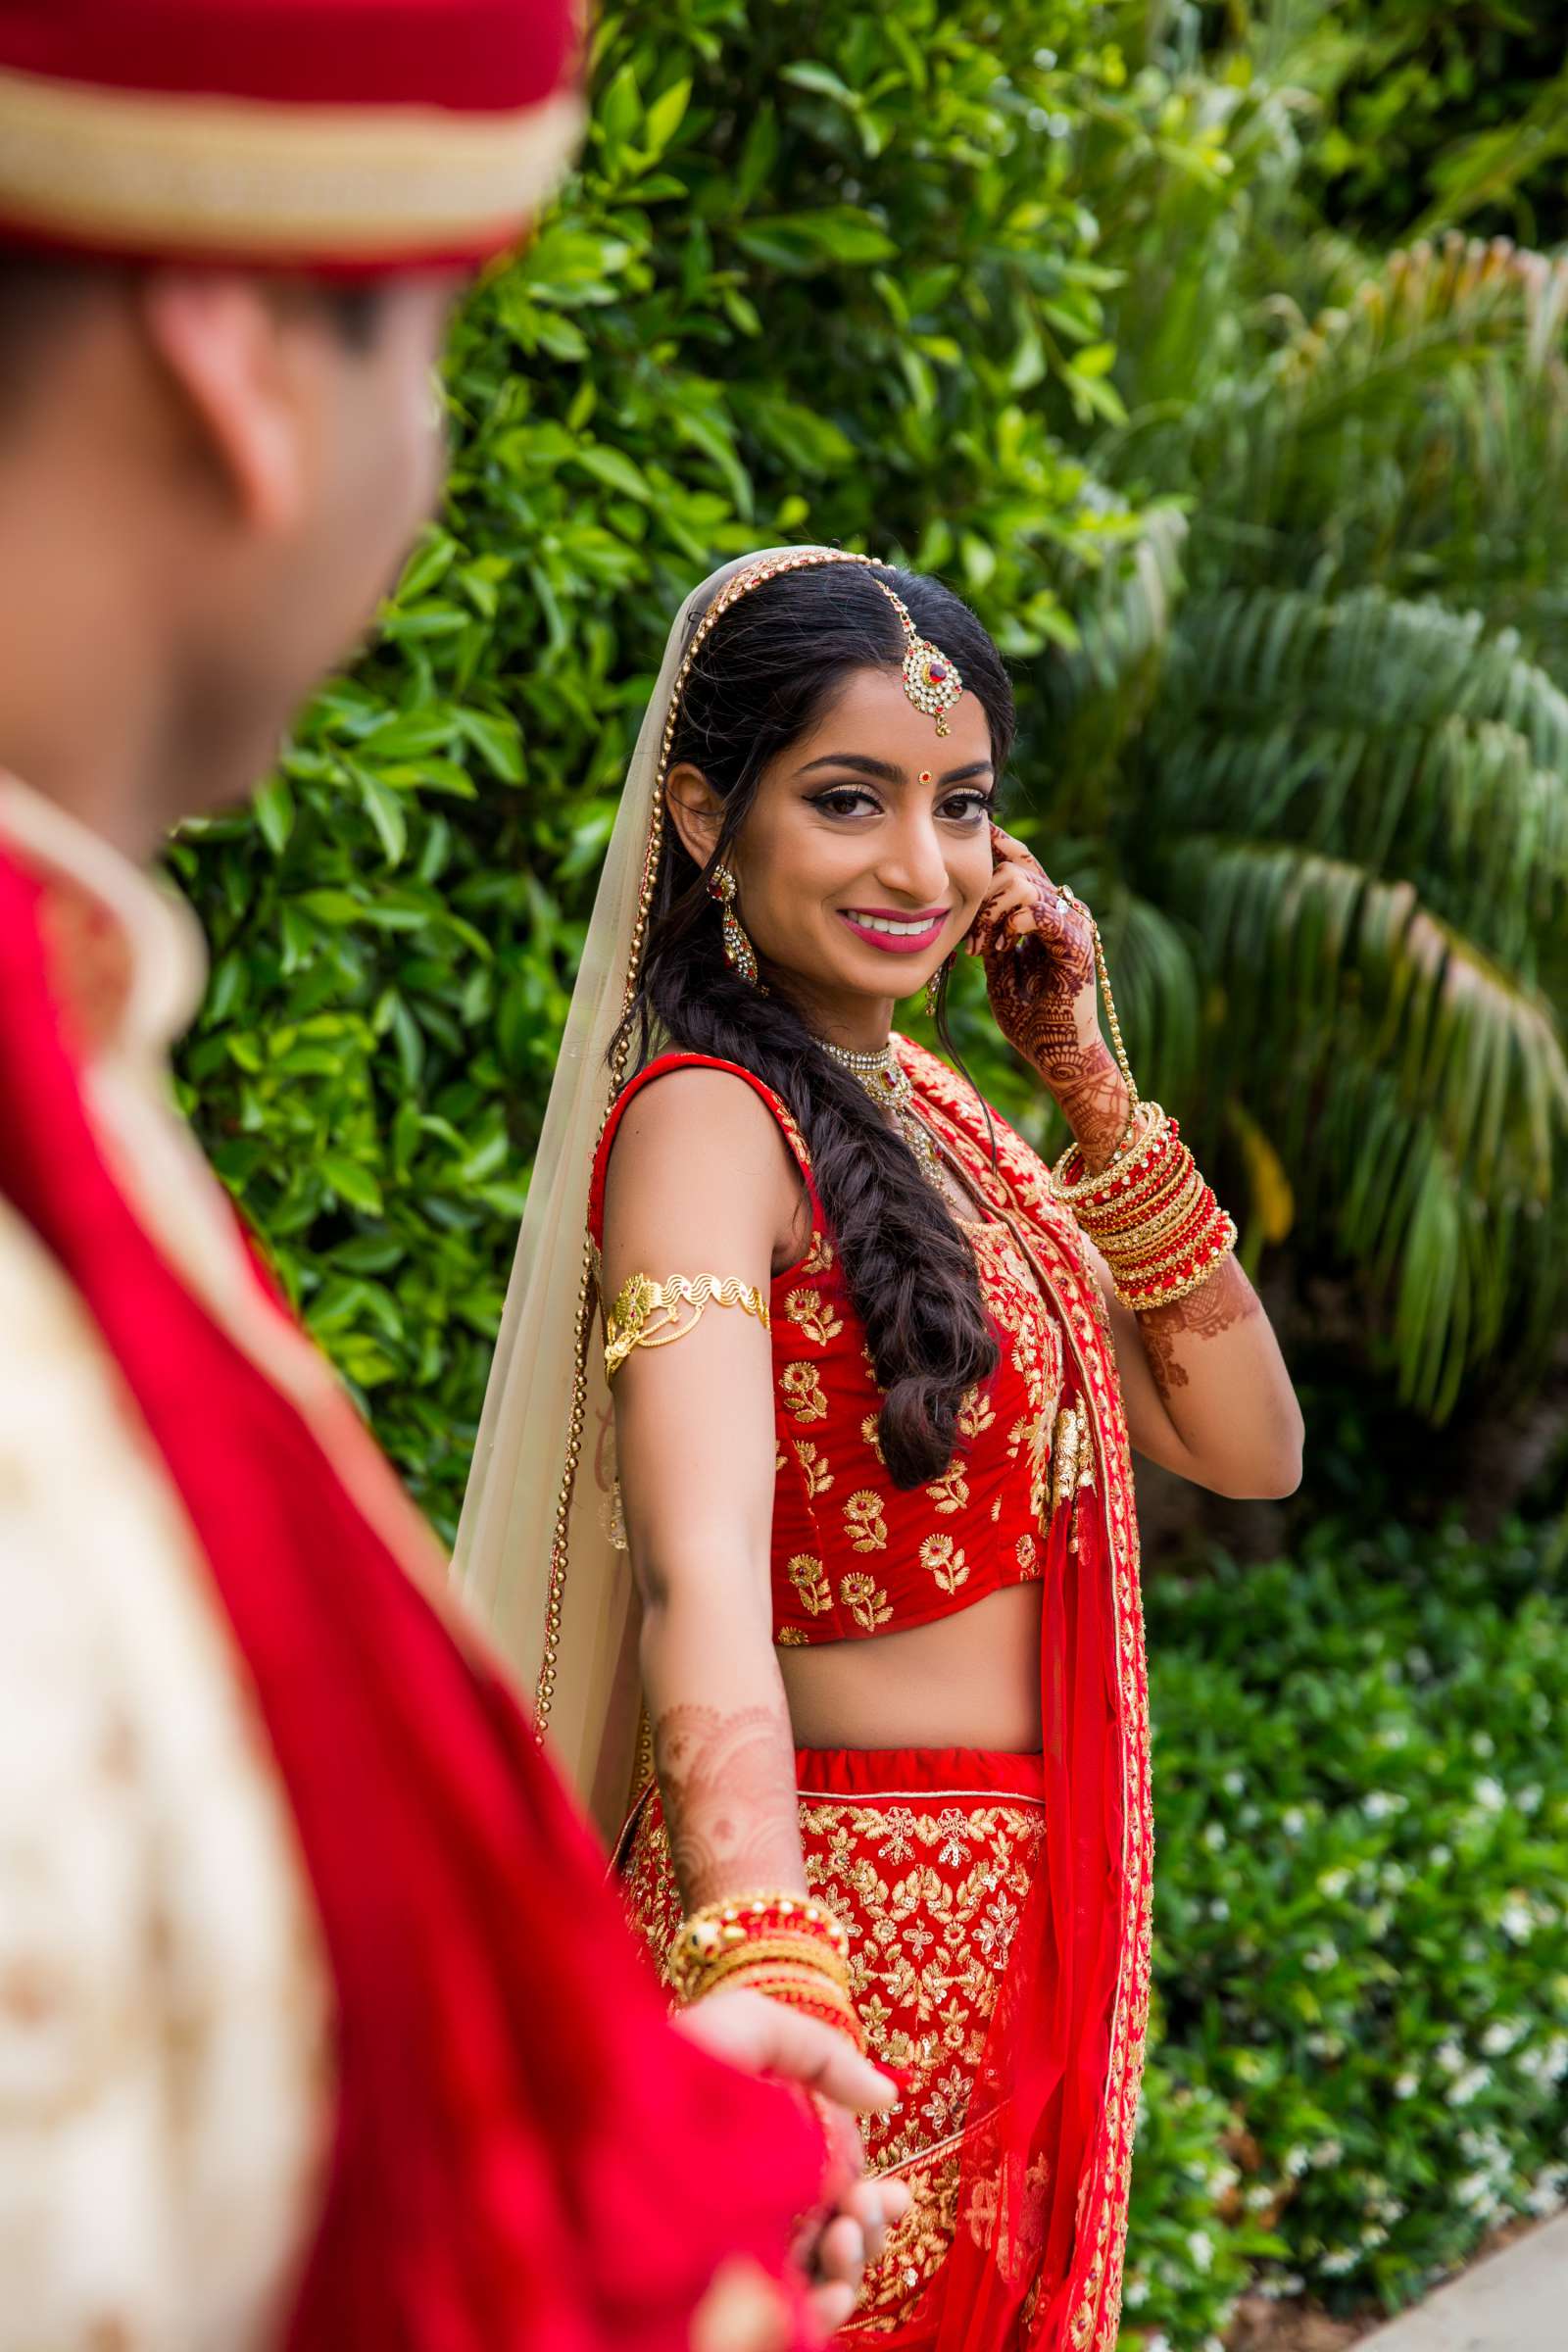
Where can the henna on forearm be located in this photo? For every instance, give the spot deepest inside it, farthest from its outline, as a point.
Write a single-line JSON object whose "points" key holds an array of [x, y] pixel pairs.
{"points": [[1096, 1103], [1226, 1299], [727, 1780], [1041, 988]]}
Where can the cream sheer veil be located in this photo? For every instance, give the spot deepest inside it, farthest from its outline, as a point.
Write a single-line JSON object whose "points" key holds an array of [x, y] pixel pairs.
{"points": [[563, 1612]]}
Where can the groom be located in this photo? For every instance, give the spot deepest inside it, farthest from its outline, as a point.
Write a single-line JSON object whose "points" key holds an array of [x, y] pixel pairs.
{"points": [[317, 2025]]}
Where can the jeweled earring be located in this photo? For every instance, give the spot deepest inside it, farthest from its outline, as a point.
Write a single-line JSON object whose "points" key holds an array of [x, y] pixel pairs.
{"points": [[739, 952], [933, 986]]}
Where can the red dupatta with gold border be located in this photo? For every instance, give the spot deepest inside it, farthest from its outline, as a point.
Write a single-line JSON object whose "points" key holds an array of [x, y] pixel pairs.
{"points": [[1041, 2223]]}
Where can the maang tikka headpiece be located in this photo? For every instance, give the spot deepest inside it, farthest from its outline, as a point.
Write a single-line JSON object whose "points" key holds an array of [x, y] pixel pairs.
{"points": [[932, 682]]}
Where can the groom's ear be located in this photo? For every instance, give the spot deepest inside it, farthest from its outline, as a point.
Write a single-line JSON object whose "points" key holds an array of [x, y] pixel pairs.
{"points": [[696, 810]]}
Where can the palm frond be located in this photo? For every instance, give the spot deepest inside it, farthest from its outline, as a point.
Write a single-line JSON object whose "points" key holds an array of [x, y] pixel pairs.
{"points": [[1416, 1090], [1396, 735]]}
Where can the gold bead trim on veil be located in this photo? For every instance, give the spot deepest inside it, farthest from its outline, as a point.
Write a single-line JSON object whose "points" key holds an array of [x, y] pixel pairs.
{"points": [[742, 583]]}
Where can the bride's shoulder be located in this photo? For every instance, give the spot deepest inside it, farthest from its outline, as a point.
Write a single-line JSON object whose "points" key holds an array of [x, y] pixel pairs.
{"points": [[707, 1129]]}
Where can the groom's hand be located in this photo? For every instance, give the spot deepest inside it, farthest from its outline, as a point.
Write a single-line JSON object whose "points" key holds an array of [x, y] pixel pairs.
{"points": [[766, 2037]]}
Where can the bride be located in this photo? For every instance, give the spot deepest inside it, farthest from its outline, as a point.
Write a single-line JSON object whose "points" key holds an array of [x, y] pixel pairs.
{"points": [[804, 1488]]}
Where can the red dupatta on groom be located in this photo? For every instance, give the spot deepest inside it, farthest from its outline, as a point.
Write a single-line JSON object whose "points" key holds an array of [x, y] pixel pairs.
{"points": [[525, 2153]]}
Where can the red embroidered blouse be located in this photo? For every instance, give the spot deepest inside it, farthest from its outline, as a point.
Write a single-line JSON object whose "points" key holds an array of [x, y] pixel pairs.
{"points": [[852, 1554]]}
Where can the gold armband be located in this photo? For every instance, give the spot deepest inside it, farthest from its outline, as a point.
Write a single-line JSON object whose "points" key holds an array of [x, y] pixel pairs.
{"points": [[652, 1315]]}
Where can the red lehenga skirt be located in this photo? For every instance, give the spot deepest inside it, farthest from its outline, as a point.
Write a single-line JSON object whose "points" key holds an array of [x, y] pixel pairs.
{"points": [[998, 1922], [929, 1856]]}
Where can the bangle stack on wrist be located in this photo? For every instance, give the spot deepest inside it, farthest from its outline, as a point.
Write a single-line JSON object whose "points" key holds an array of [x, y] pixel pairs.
{"points": [[789, 1947], [1149, 1212]]}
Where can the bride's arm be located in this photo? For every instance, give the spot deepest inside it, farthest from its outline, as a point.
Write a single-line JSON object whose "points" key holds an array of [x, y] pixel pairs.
{"points": [[1203, 1382], [700, 1182]]}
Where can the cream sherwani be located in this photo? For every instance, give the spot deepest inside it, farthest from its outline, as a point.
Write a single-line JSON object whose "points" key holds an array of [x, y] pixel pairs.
{"points": [[164, 2024]]}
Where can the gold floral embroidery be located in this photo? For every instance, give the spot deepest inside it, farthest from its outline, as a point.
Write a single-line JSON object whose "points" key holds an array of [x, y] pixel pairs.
{"points": [[950, 1492], [1026, 1555], [791, 1637], [814, 1468], [945, 1561], [865, 1600], [975, 1415], [809, 1579], [916, 2248], [803, 1391], [864, 1522], [818, 1260], [871, 1435], [1073, 1456], [1032, 1439], [814, 1316]]}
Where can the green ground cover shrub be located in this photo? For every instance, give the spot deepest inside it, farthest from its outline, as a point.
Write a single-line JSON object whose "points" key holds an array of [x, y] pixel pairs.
{"points": [[1362, 1920]]}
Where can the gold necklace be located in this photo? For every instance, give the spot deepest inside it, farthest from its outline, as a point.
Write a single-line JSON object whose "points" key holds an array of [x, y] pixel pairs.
{"points": [[891, 1088]]}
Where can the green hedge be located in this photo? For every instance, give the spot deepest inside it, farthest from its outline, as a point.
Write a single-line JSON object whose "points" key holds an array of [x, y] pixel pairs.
{"points": [[815, 280], [1361, 1929]]}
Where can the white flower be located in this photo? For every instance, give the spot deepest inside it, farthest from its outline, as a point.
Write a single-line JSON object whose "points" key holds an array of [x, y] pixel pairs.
{"points": [[1482, 1743], [1464, 2089], [1296, 2161], [1336, 2264], [1321, 1957], [1135, 2294], [1502, 2036], [1233, 1784], [1214, 1838], [1293, 1821], [1489, 1794], [1450, 2057], [1406, 2085], [1219, 1908], [1327, 2152], [1382, 1804], [1516, 1920], [1201, 2248], [1543, 2200]]}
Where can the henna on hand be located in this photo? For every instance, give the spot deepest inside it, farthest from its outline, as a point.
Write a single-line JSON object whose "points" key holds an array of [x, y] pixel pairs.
{"points": [[1041, 978], [1216, 1306], [728, 1787]]}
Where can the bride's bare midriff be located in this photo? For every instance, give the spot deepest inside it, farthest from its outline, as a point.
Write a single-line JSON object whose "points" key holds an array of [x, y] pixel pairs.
{"points": [[968, 1681]]}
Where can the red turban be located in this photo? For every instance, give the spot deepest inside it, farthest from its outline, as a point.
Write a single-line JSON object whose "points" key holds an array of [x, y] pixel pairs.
{"points": [[350, 138]]}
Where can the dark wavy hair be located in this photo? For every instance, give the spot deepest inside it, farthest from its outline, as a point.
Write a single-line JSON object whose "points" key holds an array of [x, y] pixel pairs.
{"points": [[767, 674]]}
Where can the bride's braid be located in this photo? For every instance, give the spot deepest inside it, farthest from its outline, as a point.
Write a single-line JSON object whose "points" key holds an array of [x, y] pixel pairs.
{"points": [[761, 681]]}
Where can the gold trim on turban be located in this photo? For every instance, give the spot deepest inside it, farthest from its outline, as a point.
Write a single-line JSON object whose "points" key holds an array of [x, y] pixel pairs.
{"points": [[133, 171]]}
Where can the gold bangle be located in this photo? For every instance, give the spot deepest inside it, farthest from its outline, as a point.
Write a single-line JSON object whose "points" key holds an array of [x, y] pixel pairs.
{"points": [[649, 1313], [736, 1922], [1146, 1232], [1183, 1288], [770, 1952], [1152, 1123]]}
